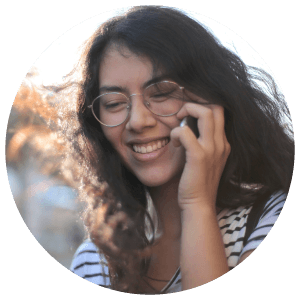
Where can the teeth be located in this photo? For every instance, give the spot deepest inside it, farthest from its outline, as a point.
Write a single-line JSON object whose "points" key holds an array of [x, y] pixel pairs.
{"points": [[151, 147]]}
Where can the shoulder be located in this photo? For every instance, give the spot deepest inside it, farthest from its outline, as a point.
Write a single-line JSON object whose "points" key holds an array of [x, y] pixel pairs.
{"points": [[266, 221], [233, 224], [89, 264], [273, 206]]}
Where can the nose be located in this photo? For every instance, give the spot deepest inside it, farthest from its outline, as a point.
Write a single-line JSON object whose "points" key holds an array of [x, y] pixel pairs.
{"points": [[139, 116]]}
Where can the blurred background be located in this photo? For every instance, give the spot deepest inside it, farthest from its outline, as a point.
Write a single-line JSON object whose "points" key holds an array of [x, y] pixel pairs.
{"points": [[49, 206], [49, 211]]}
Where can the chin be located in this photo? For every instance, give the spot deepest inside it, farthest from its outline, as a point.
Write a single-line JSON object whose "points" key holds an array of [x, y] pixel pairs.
{"points": [[156, 178], [153, 183]]}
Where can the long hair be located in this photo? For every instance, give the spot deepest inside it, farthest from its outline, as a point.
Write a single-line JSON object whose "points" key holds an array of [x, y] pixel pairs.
{"points": [[256, 125]]}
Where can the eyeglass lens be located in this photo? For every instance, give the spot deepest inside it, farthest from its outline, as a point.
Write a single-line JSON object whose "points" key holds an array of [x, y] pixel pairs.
{"points": [[162, 98]]}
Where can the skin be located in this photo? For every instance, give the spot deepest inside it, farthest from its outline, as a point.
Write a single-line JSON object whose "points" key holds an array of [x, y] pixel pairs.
{"points": [[130, 73], [182, 181]]}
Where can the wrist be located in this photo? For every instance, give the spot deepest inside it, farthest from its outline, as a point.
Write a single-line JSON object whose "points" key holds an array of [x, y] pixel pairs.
{"points": [[201, 204], [198, 209]]}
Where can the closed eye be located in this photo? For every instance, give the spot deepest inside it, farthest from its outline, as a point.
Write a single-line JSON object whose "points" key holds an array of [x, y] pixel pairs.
{"points": [[161, 95], [115, 106]]}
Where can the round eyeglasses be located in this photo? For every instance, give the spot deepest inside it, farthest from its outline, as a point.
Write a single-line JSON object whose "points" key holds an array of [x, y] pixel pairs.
{"points": [[163, 99]]}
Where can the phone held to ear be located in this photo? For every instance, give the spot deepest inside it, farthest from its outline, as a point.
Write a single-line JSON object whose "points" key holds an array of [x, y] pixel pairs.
{"points": [[192, 123], [183, 122]]}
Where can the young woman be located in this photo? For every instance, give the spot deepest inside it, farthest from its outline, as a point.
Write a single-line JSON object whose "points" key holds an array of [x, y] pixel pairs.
{"points": [[169, 206]]}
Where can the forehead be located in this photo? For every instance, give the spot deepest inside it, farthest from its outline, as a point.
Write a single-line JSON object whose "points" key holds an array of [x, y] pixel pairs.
{"points": [[121, 66]]}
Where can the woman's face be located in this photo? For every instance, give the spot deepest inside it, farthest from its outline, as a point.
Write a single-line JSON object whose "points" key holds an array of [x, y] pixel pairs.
{"points": [[128, 73]]}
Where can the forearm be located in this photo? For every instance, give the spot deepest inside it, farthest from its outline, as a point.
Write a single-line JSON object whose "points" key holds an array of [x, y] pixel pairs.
{"points": [[202, 250]]}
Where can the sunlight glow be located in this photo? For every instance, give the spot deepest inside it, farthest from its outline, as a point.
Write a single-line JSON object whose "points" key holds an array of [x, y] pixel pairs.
{"points": [[63, 54]]}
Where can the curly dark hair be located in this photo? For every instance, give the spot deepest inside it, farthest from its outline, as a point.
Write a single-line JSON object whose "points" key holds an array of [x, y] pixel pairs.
{"points": [[257, 126]]}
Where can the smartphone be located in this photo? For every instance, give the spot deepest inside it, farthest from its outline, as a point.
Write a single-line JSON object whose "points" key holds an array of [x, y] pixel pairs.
{"points": [[192, 123]]}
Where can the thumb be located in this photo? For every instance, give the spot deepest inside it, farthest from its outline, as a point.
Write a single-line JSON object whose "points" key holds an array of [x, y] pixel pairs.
{"points": [[184, 136], [176, 136]]}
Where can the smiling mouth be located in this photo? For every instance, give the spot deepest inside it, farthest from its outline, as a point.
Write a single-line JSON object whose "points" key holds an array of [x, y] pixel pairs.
{"points": [[150, 147]]}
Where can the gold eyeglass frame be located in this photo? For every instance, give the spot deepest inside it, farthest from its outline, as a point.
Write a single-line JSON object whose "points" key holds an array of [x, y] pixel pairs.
{"points": [[129, 106]]}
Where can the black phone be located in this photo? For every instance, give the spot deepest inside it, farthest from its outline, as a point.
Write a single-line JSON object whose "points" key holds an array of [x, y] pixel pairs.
{"points": [[192, 123]]}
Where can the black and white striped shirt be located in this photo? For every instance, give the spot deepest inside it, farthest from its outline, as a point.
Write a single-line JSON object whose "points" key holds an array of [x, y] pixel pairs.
{"points": [[89, 264]]}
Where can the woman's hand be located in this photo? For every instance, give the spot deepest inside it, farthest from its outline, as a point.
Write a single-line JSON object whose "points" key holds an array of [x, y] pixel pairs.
{"points": [[206, 155]]}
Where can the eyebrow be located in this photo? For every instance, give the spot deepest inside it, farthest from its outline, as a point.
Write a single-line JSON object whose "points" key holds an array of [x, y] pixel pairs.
{"points": [[120, 89]]}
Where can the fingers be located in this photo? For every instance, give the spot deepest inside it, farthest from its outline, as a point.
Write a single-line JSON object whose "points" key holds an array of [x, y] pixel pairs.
{"points": [[183, 136], [220, 135], [211, 123], [205, 114]]}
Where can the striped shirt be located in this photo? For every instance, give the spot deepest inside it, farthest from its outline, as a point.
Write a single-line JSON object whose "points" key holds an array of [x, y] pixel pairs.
{"points": [[88, 263]]}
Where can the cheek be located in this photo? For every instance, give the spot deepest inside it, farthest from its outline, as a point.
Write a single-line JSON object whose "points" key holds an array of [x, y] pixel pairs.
{"points": [[114, 136]]}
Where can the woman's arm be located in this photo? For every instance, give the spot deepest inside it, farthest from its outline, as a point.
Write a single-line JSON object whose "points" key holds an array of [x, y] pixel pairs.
{"points": [[202, 250], [202, 257]]}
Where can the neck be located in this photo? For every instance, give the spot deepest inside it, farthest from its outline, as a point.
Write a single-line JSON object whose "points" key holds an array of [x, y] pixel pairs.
{"points": [[166, 203]]}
